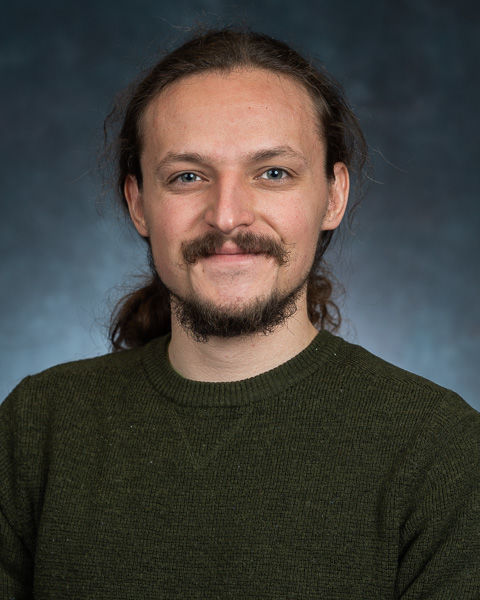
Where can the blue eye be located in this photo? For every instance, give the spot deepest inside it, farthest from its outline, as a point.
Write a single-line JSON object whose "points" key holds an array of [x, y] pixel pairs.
{"points": [[274, 173], [188, 177]]}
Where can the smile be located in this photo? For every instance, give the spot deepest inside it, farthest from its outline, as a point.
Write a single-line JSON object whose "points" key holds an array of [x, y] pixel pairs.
{"points": [[233, 257]]}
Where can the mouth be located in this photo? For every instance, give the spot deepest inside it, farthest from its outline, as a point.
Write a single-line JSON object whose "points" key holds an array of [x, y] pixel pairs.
{"points": [[239, 253], [230, 249], [232, 254]]}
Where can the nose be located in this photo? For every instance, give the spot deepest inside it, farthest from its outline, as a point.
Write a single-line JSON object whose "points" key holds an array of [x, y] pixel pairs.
{"points": [[230, 204]]}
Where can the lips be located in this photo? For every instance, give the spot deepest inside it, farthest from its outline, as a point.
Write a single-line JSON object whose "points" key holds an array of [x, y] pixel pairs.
{"points": [[231, 249], [231, 253]]}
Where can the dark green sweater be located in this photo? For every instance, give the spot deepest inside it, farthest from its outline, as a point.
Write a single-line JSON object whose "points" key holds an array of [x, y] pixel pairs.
{"points": [[335, 475]]}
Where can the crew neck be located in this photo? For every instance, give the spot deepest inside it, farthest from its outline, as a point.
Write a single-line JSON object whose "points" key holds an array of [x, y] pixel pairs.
{"points": [[190, 392]]}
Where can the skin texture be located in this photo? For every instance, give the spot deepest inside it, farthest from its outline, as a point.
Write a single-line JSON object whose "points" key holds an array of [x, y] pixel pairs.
{"points": [[210, 142]]}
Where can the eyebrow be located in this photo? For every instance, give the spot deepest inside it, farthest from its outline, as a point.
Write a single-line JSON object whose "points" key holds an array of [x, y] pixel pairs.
{"points": [[259, 155]]}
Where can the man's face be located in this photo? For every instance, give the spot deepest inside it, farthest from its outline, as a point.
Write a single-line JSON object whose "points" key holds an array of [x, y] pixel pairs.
{"points": [[226, 155]]}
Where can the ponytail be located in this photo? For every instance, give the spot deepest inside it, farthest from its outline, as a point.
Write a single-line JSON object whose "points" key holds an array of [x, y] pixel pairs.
{"points": [[141, 315], [323, 312]]}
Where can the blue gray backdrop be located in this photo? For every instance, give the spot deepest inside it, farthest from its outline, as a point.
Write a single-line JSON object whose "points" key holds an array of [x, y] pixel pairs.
{"points": [[410, 262]]}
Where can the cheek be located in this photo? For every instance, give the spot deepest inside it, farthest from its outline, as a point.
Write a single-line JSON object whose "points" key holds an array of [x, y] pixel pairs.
{"points": [[300, 230], [165, 249], [172, 219], [164, 226], [169, 225]]}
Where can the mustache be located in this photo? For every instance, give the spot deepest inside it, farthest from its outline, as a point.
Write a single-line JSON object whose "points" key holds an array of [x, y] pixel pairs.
{"points": [[248, 242]]}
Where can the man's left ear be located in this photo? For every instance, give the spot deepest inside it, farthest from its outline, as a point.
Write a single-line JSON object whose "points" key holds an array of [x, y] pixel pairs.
{"points": [[338, 197]]}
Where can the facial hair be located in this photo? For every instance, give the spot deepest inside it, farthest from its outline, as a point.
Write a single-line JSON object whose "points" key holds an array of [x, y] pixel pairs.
{"points": [[203, 319]]}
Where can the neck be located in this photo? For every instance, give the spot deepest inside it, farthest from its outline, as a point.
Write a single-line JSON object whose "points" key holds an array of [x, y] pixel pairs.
{"points": [[233, 359]]}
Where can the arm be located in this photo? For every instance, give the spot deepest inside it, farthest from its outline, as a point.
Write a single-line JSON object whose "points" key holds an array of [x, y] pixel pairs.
{"points": [[16, 565], [440, 536]]}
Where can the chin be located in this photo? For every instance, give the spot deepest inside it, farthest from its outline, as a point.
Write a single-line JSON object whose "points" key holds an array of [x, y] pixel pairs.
{"points": [[235, 304], [233, 317]]}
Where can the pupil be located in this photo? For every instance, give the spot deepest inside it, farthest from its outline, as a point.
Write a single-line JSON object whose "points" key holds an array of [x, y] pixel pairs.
{"points": [[274, 173]]}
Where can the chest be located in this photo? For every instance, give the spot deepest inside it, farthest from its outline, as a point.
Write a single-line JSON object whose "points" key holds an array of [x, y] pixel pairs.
{"points": [[252, 510]]}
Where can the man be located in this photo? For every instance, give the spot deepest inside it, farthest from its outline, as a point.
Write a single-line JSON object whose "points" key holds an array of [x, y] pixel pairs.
{"points": [[232, 450]]}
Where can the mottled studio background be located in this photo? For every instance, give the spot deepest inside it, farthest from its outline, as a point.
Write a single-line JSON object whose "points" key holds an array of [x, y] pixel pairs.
{"points": [[410, 265]]}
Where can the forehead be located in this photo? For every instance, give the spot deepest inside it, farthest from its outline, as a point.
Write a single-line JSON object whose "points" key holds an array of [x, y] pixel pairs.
{"points": [[227, 113]]}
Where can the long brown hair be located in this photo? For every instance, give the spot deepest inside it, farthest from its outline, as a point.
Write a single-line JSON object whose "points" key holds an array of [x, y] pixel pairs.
{"points": [[145, 313]]}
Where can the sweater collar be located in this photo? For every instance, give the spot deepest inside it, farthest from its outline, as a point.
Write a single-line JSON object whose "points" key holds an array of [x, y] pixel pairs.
{"points": [[235, 393]]}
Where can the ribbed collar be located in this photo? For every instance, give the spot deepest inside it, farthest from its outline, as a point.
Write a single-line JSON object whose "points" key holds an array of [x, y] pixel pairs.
{"points": [[236, 393]]}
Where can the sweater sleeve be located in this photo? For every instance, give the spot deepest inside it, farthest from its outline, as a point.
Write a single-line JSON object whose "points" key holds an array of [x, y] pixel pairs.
{"points": [[16, 524], [440, 536]]}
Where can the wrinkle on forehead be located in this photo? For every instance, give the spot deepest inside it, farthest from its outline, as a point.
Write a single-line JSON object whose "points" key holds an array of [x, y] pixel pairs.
{"points": [[261, 90]]}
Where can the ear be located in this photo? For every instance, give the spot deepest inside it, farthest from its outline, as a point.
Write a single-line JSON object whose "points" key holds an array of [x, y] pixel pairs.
{"points": [[134, 198], [337, 198]]}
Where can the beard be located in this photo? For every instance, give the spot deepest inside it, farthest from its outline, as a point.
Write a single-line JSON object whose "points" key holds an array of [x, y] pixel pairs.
{"points": [[203, 319]]}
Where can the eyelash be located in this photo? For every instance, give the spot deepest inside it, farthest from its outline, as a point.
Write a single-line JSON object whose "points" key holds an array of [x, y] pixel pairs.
{"points": [[286, 175]]}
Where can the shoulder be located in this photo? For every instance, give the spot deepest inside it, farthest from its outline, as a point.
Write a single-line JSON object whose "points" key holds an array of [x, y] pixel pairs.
{"points": [[383, 387], [371, 366], [415, 425], [76, 386], [96, 367]]}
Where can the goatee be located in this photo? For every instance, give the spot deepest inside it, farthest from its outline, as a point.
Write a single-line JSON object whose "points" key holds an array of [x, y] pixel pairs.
{"points": [[203, 319]]}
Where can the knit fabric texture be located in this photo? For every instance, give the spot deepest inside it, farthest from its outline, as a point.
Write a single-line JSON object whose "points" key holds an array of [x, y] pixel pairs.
{"points": [[335, 475]]}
